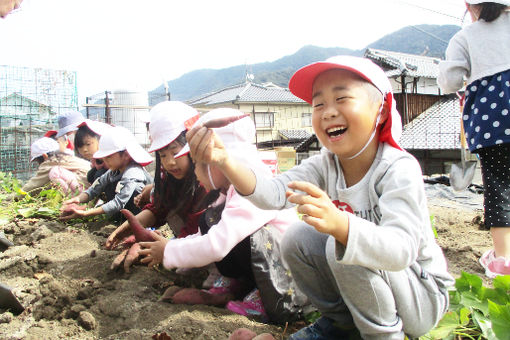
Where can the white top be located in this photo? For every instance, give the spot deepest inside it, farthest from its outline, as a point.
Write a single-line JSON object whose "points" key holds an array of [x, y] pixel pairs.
{"points": [[479, 50]]}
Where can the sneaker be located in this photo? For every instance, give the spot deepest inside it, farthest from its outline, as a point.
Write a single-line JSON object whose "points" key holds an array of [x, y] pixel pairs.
{"points": [[250, 306], [494, 266], [499, 266], [322, 329], [225, 285]]}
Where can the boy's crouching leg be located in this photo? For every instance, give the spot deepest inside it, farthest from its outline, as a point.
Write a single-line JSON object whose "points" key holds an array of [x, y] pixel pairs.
{"points": [[304, 251], [385, 305]]}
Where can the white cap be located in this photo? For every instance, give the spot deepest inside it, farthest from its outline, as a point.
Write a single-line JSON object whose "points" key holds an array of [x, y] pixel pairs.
{"points": [[69, 121], [99, 128], [42, 146], [167, 121], [119, 139], [501, 2]]}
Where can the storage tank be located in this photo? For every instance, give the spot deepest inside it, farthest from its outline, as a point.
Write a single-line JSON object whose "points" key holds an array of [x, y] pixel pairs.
{"points": [[126, 109]]}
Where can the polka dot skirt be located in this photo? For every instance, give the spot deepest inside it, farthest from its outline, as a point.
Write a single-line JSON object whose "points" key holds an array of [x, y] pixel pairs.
{"points": [[495, 162], [486, 111]]}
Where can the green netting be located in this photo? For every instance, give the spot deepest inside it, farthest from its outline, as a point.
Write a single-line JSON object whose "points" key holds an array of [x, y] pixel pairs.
{"points": [[30, 101]]}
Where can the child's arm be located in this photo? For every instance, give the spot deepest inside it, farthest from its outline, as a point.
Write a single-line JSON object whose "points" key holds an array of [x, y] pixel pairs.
{"points": [[83, 197], [40, 179], [454, 69], [319, 211], [145, 217], [132, 181]]}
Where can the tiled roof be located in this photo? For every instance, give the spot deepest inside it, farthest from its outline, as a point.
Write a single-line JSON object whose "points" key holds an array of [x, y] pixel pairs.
{"points": [[395, 63], [247, 93], [294, 134], [438, 128]]}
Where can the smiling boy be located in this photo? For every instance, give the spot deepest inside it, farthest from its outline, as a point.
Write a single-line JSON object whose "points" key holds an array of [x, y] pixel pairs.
{"points": [[365, 253]]}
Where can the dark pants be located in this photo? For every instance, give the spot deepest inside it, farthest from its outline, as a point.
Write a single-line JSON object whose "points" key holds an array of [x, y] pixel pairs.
{"points": [[237, 263]]}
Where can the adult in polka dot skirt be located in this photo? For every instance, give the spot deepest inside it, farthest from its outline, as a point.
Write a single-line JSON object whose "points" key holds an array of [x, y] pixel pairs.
{"points": [[479, 55]]}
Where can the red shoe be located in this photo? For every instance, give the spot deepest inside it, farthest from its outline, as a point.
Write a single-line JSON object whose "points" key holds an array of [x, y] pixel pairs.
{"points": [[251, 306]]}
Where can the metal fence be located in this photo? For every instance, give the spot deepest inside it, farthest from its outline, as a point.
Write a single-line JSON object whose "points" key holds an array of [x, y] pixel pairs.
{"points": [[30, 101]]}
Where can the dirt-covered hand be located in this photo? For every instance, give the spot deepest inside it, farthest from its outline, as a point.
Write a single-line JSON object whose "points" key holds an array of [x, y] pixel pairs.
{"points": [[144, 197], [153, 251], [318, 210], [117, 236]]}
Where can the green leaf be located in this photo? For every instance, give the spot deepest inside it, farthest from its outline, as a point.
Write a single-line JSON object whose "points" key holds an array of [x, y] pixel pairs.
{"points": [[471, 300], [446, 326], [502, 282], [26, 212], [468, 282], [484, 324], [500, 318], [464, 316]]}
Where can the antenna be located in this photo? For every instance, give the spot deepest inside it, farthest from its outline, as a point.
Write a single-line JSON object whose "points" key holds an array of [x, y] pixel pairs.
{"points": [[167, 92]]}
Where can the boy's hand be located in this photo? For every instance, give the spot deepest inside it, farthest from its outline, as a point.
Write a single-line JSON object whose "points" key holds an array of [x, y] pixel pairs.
{"points": [[205, 146], [153, 251], [75, 199], [319, 211], [74, 213]]}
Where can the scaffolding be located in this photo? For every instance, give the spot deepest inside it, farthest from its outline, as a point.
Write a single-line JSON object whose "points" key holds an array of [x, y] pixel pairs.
{"points": [[30, 101]]}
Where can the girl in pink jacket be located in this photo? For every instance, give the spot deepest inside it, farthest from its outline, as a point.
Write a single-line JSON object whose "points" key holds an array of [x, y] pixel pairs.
{"points": [[241, 239]]}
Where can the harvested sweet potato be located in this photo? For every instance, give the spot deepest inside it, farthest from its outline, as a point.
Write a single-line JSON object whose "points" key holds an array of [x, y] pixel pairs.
{"points": [[141, 234], [119, 259], [221, 122], [131, 256], [242, 334]]}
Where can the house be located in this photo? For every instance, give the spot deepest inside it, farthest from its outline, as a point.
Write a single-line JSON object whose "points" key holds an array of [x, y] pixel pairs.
{"points": [[281, 119], [413, 79], [16, 109]]}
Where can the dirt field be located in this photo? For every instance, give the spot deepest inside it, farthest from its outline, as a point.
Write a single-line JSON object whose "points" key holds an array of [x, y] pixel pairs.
{"points": [[61, 275]]}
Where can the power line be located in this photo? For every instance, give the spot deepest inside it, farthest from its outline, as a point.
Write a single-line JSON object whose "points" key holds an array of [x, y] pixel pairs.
{"points": [[430, 34], [430, 10]]}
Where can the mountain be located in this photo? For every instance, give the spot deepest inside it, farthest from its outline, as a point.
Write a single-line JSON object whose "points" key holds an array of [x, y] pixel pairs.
{"points": [[430, 40]]}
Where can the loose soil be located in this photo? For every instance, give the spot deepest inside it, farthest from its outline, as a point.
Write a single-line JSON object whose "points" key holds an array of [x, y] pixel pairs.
{"points": [[61, 275]]}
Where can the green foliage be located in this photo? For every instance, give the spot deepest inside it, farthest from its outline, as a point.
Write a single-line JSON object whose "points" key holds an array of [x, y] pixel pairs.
{"points": [[433, 225], [476, 311], [17, 203]]}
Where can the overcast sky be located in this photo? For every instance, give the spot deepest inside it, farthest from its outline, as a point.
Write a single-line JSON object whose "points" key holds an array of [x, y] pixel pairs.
{"points": [[133, 44]]}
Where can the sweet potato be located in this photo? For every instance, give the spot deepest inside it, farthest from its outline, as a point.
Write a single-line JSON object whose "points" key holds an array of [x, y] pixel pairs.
{"points": [[119, 259], [131, 256], [242, 334], [221, 122], [141, 234]]}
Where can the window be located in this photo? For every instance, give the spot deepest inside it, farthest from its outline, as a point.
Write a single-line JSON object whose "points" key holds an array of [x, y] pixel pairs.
{"points": [[264, 119], [306, 119]]}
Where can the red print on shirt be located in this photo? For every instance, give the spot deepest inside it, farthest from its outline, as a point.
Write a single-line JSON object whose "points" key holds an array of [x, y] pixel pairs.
{"points": [[343, 206]]}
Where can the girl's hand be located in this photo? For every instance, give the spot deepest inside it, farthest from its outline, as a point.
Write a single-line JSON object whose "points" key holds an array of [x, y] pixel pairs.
{"points": [[117, 236], [144, 197], [319, 211], [153, 251], [205, 146]]}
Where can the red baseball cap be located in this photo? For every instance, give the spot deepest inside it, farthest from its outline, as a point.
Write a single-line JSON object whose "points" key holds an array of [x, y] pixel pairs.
{"points": [[301, 85]]}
